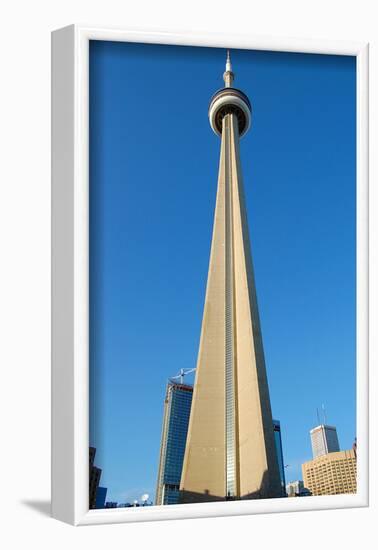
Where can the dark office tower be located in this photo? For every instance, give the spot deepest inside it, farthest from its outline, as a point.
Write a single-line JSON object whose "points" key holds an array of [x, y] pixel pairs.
{"points": [[92, 454], [101, 497], [177, 405], [278, 443], [94, 478]]}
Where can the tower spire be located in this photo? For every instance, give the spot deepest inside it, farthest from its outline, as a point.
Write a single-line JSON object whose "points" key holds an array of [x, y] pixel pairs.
{"points": [[228, 75]]}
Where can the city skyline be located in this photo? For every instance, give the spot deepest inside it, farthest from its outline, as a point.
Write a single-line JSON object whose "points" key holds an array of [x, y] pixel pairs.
{"points": [[320, 280]]}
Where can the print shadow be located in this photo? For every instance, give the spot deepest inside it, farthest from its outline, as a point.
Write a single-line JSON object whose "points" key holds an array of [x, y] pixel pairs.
{"points": [[43, 507]]}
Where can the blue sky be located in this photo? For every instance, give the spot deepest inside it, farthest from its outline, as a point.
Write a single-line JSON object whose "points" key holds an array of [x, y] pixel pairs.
{"points": [[153, 175]]}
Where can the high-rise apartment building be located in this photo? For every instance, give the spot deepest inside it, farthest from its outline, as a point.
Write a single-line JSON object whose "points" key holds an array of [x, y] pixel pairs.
{"points": [[331, 474], [230, 450], [324, 440], [177, 405]]}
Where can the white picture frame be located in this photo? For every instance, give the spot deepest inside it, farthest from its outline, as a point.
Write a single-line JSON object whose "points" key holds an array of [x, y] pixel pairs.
{"points": [[70, 279]]}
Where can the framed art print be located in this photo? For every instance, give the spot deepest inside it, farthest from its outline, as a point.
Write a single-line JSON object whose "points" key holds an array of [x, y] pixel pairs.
{"points": [[210, 201]]}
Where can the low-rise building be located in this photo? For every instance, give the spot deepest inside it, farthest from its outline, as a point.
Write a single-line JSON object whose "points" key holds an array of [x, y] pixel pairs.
{"points": [[297, 489]]}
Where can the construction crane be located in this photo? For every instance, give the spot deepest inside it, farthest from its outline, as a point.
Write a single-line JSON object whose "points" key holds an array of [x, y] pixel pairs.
{"points": [[181, 374]]}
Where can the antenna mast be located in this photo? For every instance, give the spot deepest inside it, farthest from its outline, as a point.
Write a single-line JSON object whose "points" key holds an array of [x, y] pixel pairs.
{"points": [[228, 75], [324, 414]]}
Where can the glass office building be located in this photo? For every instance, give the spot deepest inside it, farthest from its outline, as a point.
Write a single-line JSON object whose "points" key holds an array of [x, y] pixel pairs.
{"points": [[177, 406], [324, 440], [278, 445]]}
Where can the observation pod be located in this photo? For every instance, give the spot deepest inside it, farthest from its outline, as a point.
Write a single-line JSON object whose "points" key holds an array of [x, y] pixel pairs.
{"points": [[226, 101]]}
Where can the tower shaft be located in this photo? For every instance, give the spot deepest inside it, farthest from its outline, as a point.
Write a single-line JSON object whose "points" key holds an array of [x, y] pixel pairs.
{"points": [[230, 450]]}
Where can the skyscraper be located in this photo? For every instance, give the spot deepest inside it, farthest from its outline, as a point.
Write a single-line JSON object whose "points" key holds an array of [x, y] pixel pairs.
{"points": [[230, 450], [177, 405], [324, 440], [278, 443]]}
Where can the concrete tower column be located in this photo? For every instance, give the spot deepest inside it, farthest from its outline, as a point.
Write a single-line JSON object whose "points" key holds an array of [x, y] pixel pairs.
{"points": [[230, 451]]}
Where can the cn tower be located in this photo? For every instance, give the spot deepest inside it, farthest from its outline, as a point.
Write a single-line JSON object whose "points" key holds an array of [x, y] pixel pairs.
{"points": [[230, 452]]}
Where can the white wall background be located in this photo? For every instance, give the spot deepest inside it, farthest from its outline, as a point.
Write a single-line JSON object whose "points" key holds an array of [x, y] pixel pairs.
{"points": [[25, 269]]}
